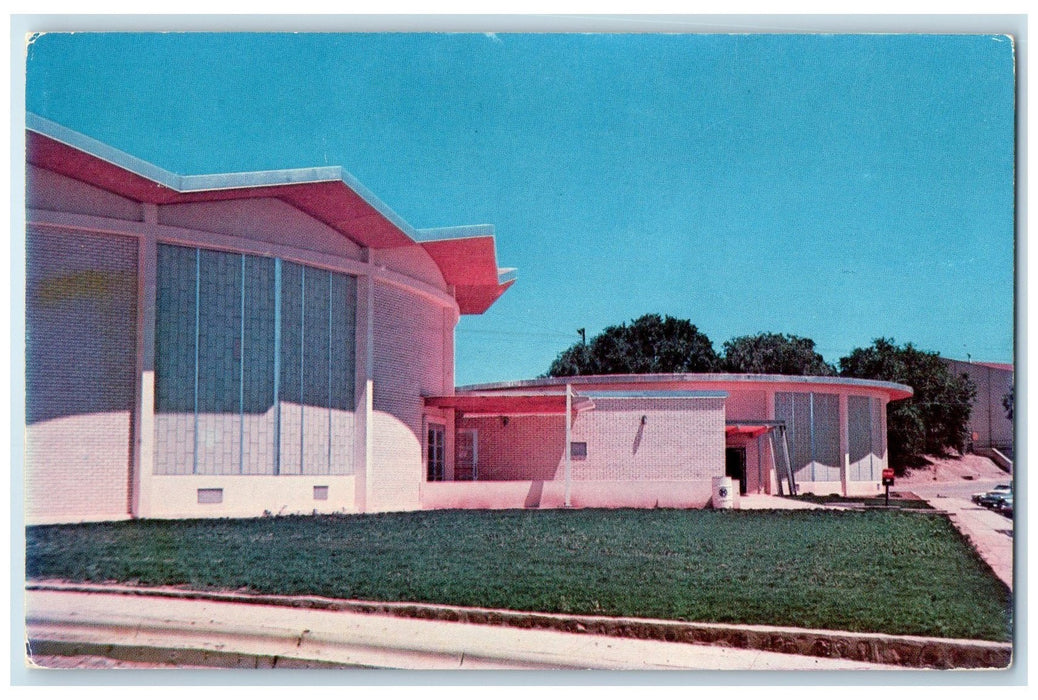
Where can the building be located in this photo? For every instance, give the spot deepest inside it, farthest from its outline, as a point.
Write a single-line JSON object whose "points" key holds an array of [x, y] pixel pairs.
{"points": [[281, 342], [990, 429], [659, 440], [225, 345]]}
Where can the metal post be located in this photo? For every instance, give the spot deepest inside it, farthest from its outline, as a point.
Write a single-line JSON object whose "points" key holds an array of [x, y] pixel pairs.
{"points": [[198, 296], [241, 376], [775, 461], [277, 366], [760, 470], [569, 407]]}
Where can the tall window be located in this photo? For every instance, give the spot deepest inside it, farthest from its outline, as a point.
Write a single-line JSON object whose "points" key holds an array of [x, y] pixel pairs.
{"points": [[254, 365], [436, 452], [864, 436], [813, 428]]}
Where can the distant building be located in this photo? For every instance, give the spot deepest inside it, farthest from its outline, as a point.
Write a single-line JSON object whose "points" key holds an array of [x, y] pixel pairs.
{"points": [[989, 427], [281, 342]]}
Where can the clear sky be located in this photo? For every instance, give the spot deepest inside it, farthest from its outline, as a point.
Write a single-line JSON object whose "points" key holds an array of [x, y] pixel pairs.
{"points": [[841, 188]]}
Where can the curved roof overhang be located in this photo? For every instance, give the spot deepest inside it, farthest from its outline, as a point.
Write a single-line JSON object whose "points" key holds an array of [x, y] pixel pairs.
{"points": [[329, 194], [510, 403], [782, 382], [467, 256]]}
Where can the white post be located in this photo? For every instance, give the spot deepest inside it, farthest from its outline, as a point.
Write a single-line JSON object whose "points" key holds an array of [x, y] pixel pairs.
{"points": [[569, 407]]}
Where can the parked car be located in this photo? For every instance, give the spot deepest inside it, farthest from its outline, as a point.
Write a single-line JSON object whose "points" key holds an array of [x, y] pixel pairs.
{"points": [[1006, 506], [1002, 489], [993, 498]]}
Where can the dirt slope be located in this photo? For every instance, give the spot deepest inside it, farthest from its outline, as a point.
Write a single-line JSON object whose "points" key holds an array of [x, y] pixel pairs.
{"points": [[954, 469]]}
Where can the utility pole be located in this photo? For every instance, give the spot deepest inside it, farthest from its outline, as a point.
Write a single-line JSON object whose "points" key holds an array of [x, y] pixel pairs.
{"points": [[583, 336]]}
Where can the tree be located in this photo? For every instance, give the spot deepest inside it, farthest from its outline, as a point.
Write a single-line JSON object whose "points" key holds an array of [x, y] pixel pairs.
{"points": [[650, 344], [774, 353], [1008, 401], [936, 418]]}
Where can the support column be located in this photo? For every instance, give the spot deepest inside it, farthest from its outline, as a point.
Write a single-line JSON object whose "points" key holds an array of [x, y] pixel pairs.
{"points": [[364, 384], [569, 415], [769, 414], [845, 449], [143, 457]]}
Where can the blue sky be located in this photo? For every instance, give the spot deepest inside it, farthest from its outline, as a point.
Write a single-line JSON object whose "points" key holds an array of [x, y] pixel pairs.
{"points": [[841, 188]]}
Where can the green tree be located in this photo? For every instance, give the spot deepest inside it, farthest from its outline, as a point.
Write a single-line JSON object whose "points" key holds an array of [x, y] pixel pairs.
{"points": [[774, 353], [936, 418], [650, 344], [1009, 401]]}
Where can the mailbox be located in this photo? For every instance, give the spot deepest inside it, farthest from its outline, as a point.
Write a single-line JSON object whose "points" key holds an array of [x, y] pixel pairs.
{"points": [[888, 477]]}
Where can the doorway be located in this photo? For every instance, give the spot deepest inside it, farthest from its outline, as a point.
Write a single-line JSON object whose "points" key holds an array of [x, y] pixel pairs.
{"points": [[735, 466], [466, 455]]}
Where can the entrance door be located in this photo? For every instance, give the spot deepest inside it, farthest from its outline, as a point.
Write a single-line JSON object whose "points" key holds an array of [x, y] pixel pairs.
{"points": [[735, 465], [466, 456], [435, 452]]}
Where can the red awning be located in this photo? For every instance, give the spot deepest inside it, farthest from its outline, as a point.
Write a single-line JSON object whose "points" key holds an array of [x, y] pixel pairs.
{"points": [[751, 431], [509, 404]]}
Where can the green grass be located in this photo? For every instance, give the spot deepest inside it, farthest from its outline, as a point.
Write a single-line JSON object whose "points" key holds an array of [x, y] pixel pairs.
{"points": [[871, 501], [901, 573]]}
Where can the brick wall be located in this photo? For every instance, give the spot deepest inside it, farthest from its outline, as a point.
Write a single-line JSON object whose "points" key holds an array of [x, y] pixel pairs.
{"points": [[81, 312], [681, 439], [528, 447], [409, 361], [746, 405]]}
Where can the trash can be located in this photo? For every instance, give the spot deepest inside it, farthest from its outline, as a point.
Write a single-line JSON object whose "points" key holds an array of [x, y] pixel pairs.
{"points": [[723, 497]]}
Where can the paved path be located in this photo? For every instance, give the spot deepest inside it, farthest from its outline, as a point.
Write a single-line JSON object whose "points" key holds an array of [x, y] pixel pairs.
{"points": [[204, 632], [761, 501], [990, 533]]}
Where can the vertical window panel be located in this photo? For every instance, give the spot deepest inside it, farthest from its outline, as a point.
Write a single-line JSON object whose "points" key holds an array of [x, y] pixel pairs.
{"points": [[219, 363], [175, 341], [826, 436], [859, 439], [290, 391], [316, 391], [254, 365], [342, 371], [257, 351]]}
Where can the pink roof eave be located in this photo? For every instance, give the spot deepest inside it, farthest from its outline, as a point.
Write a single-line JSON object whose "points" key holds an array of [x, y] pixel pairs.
{"points": [[329, 194], [509, 404]]}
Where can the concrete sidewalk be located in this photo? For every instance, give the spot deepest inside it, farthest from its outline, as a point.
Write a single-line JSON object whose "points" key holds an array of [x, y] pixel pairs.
{"points": [[199, 633], [169, 627], [990, 533], [762, 501]]}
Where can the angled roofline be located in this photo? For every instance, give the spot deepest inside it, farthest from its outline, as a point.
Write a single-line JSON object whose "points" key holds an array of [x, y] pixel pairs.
{"points": [[328, 193], [186, 184], [445, 233]]}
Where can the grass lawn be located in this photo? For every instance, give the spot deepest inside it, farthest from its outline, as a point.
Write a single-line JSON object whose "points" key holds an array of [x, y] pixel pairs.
{"points": [[902, 573], [896, 501]]}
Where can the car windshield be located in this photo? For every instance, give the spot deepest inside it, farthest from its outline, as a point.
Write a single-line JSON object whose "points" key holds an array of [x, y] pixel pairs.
{"points": [[1003, 487]]}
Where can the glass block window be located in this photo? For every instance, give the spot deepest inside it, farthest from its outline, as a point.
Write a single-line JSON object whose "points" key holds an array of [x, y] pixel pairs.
{"points": [[254, 365], [813, 432], [864, 436]]}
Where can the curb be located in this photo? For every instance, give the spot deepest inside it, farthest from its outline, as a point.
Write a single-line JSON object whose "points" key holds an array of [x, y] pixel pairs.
{"points": [[907, 651]]}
